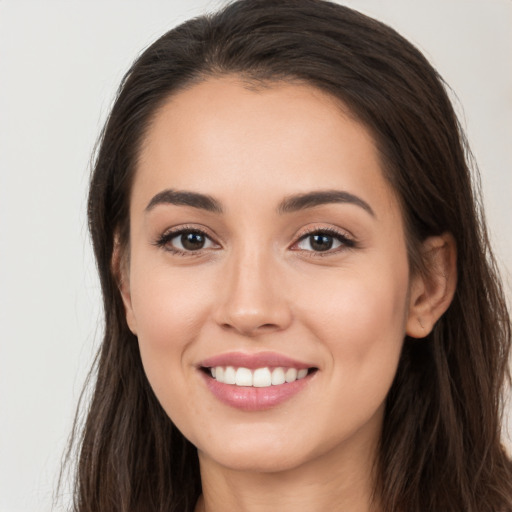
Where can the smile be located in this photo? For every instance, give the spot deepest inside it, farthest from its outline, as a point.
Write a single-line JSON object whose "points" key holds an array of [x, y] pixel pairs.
{"points": [[258, 378], [255, 382]]}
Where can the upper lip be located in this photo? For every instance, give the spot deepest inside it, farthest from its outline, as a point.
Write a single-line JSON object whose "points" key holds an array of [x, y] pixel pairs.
{"points": [[253, 361]]}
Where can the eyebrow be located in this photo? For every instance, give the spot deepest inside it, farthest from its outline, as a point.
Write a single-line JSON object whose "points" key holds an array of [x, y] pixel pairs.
{"points": [[185, 198], [290, 204], [320, 197]]}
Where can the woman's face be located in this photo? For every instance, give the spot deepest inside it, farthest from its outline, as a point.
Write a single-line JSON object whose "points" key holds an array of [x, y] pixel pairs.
{"points": [[265, 243]]}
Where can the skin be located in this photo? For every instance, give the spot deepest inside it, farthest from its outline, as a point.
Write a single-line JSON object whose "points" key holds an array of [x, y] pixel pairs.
{"points": [[258, 285]]}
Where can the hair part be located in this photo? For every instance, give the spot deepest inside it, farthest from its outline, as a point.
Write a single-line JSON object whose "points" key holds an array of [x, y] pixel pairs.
{"points": [[440, 447]]}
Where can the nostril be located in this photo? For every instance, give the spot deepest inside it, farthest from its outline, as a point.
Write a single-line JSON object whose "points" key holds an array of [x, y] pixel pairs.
{"points": [[267, 327], [248, 327]]}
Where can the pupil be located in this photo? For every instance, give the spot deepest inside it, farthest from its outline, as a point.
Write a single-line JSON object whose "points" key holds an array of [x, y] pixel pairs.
{"points": [[192, 241], [321, 242]]}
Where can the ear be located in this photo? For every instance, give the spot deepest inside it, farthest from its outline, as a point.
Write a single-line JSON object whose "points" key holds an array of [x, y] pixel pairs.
{"points": [[121, 271], [432, 292]]}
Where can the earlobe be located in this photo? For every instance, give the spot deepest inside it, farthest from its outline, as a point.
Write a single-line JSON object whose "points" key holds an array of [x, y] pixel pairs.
{"points": [[120, 269], [432, 292]]}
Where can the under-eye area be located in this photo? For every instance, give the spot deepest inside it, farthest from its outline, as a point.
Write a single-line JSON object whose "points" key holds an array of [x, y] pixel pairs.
{"points": [[257, 377]]}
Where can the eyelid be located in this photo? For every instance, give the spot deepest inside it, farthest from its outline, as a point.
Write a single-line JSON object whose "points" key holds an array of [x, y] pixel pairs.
{"points": [[346, 239], [163, 240]]}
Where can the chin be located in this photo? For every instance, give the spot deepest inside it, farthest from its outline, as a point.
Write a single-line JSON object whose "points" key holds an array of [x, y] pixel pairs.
{"points": [[255, 460], [266, 451]]}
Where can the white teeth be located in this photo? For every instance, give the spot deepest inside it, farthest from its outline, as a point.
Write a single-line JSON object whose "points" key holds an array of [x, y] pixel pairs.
{"points": [[278, 377], [262, 378], [229, 375], [302, 373], [258, 378], [243, 377], [290, 375]]}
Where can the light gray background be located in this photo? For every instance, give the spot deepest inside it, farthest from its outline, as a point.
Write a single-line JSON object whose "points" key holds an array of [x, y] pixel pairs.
{"points": [[60, 63]]}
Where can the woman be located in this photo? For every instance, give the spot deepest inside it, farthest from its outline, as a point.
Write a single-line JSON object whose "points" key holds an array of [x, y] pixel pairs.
{"points": [[301, 306]]}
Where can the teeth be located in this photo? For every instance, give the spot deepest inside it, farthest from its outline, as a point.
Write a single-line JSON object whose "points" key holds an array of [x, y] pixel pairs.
{"points": [[302, 373], [278, 377], [290, 375], [258, 378], [243, 377], [262, 378], [229, 375]]}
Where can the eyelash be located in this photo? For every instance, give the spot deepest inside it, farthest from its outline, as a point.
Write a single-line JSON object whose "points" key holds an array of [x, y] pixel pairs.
{"points": [[165, 239], [346, 242]]}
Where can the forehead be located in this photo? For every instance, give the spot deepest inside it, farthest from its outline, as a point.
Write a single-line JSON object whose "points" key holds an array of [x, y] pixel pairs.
{"points": [[225, 139]]}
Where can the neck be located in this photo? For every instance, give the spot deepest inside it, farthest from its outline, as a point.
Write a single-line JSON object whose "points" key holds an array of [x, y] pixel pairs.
{"points": [[341, 479]]}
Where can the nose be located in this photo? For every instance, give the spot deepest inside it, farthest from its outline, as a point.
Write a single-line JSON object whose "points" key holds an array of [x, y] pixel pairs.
{"points": [[254, 299]]}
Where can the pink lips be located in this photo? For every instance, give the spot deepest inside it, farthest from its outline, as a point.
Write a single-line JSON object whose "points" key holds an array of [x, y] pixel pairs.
{"points": [[253, 361], [252, 398]]}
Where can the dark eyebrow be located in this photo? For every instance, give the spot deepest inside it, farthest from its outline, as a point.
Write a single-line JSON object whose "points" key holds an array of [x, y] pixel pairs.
{"points": [[317, 198], [181, 198]]}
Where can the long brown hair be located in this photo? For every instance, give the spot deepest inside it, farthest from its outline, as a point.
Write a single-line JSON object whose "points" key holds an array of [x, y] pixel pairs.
{"points": [[440, 448]]}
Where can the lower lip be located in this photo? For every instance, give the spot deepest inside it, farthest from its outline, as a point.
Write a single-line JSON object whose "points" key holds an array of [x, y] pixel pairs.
{"points": [[255, 399]]}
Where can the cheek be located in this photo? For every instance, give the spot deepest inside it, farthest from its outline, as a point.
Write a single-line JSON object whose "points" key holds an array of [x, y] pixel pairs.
{"points": [[358, 306], [362, 323], [363, 326], [169, 307]]}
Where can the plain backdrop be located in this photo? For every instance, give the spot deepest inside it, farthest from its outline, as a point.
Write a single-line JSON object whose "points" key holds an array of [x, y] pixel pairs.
{"points": [[60, 64]]}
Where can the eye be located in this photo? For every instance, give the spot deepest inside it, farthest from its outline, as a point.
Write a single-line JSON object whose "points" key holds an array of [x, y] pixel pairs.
{"points": [[186, 241], [323, 241]]}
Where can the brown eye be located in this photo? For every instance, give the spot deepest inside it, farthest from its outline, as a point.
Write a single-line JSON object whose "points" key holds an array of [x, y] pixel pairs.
{"points": [[323, 241], [186, 241], [192, 241]]}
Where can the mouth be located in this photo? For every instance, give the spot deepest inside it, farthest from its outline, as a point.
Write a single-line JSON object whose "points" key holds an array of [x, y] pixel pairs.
{"points": [[255, 382], [263, 377]]}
